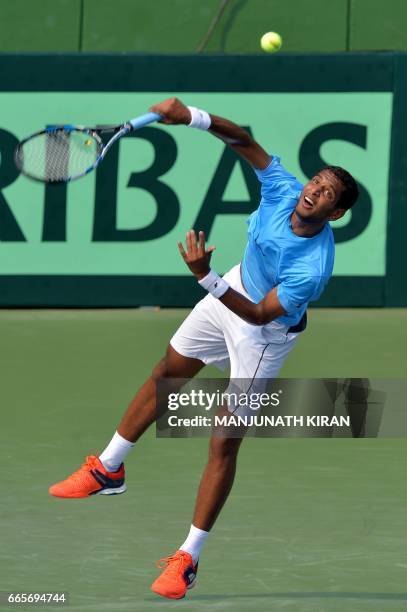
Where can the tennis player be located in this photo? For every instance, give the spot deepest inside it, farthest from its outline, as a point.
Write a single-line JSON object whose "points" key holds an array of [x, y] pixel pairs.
{"points": [[251, 319]]}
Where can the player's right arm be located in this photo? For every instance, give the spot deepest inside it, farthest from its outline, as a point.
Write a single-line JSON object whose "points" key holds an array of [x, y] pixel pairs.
{"points": [[174, 112], [240, 141]]}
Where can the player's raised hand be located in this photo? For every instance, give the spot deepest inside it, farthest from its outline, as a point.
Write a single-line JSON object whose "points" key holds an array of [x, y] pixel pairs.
{"points": [[196, 256], [174, 112]]}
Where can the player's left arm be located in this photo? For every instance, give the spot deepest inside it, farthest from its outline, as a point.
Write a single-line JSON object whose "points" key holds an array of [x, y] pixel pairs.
{"points": [[197, 258], [257, 314]]}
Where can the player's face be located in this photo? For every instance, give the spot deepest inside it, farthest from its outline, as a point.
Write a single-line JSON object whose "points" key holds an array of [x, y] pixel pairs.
{"points": [[319, 198]]}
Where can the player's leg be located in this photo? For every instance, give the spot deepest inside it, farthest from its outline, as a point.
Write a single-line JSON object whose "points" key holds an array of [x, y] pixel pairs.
{"points": [[180, 569], [142, 411], [252, 365], [104, 475], [198, 341], [215, 486], [255, 353]]}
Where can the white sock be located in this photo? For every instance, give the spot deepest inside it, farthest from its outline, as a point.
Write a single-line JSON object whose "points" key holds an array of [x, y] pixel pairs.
{"points": [[115, 452], [194, 542]]}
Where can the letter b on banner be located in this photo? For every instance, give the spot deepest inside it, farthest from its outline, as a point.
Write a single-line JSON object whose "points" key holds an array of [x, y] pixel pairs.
{"points": [[168, 207]]}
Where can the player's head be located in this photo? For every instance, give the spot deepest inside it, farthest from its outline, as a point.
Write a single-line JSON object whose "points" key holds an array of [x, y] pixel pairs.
{"points": [[327, 196]]}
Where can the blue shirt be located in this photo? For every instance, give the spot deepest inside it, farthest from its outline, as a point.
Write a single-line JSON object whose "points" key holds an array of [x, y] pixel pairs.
{"points": [[275, 256]]}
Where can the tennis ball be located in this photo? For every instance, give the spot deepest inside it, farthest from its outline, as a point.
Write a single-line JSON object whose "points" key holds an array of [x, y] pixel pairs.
{"points": [[271, 42]]}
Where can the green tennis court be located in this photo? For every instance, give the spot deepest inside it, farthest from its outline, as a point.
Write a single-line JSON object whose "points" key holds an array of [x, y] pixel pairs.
{"points": [[311, 525]]}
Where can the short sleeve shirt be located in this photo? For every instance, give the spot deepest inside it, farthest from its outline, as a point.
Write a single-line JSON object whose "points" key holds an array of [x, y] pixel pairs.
{"points": [[275, 256]]}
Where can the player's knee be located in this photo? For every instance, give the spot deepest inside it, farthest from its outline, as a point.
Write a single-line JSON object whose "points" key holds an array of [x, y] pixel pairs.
{"points": [[175, 365]]}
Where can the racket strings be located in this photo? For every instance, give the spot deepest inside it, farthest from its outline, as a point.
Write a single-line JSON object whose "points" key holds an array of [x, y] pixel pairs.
{"points": [[58, 155]]}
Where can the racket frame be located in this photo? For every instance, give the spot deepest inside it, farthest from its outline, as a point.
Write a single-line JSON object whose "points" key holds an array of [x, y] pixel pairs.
{"points": [[120, 131]]}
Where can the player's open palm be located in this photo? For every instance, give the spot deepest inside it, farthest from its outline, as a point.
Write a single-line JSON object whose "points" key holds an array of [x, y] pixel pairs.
{"points": [[196, 256]]}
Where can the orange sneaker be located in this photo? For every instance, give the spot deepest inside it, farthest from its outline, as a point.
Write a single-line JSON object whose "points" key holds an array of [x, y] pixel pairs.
{"points": [[178, 576], [91, 479]]}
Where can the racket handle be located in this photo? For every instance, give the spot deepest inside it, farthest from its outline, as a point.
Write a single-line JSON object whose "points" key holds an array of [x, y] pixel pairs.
{"points": [[139, 122]]}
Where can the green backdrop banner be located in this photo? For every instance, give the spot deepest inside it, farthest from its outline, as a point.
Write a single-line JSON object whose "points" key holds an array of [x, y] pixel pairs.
{"points": [[111, 238]]}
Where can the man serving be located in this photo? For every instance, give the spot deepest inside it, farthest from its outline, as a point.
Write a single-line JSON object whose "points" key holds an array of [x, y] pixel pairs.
{"points": [[250, 319]]}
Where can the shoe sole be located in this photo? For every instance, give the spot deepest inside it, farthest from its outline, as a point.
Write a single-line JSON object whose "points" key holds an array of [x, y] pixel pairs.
{"points": [[115, 491], [189, 587]]}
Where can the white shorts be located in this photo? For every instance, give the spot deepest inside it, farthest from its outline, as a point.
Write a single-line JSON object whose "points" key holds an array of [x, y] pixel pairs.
{"points": [[215, 335]]}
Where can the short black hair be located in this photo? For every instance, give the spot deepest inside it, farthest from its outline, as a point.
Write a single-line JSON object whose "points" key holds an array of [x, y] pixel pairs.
{"points": [[350, 191]]}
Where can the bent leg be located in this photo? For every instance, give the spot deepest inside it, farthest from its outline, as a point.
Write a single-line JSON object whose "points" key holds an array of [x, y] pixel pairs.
{"points": [[104, 475], [142, 411], [198, 341]]}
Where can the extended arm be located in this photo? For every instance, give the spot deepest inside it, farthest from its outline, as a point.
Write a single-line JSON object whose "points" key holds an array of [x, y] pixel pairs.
{"points": [[198, 259], [174, 112], [240, 140]]}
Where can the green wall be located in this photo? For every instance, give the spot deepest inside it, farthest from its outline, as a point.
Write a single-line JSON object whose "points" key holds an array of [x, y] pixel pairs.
{"points": [[177, 26], [110, 238], [375, 24], [39, 25]]}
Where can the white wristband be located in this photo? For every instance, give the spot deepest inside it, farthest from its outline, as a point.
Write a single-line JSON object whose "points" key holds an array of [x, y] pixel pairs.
{"points": [[214, 284], [199, 118]]}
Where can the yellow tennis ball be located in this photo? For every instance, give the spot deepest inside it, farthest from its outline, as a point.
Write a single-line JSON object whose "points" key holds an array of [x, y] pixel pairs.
{"points": [[271, 42]]}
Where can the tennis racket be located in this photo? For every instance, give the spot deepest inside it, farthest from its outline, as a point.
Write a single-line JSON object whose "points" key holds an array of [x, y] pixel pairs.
{"points": [[64, 153]]}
